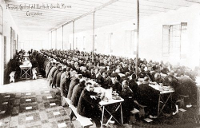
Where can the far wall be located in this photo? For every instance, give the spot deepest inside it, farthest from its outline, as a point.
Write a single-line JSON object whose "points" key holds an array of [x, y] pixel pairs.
{"points": [[8, 44], [120, 39], [151, 35], [33, 40]]}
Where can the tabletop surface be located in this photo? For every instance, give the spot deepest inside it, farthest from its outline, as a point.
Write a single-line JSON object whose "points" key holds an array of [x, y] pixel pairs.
{"points": [[111, 101], [162, 89], [26, 66], [108, 94]]}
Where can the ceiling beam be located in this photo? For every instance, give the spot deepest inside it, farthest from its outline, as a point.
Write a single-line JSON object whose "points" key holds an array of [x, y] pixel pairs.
{"points": [[193, 1], [148, 5], [90, 12], [151, 1]]}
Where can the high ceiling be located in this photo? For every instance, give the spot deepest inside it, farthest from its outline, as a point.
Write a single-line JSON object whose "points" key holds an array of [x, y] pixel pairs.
{"points": [[108, 12]]}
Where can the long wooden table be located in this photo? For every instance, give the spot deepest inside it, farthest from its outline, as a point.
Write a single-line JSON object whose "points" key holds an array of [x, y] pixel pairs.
{"points": [[25, 71], [163, 91], [109, 101]]}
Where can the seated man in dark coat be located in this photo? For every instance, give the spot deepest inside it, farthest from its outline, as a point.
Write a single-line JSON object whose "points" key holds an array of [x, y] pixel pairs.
{"points": [[107, 82], [59, 69], [124, 68], [88, 104], [148, 96], [183, 86], [77, 92], [157, 78], [64, 83], [100, 79], [165, 70], [127, 105], [74, 81], [116, 83], [58, 78], [142, 73], [133, 84], [50, 75], [92, 74]]}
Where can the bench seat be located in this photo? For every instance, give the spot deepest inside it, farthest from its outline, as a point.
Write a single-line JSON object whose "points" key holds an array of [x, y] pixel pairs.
{"points": [[84, 121]]}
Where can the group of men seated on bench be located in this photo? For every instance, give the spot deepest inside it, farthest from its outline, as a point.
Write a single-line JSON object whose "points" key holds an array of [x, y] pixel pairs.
{"points": [[118, 73]]}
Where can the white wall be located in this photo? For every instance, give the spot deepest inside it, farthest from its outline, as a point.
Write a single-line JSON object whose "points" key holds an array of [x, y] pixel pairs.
{"points": [[66, 36], [114, 39], [59, 38], [151, 34], [8, 22], [119, 39], [33, 40]]}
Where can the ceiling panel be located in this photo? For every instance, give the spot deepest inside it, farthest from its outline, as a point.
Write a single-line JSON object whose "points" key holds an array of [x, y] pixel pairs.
{"points": [[108, 12]]}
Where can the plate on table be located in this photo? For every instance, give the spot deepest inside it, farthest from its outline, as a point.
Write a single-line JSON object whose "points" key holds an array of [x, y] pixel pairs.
{"points": [[116, 98], [166, 88]]}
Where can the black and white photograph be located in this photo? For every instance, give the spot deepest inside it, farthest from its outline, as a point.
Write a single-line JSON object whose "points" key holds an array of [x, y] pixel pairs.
{"points": [[99, 63]]}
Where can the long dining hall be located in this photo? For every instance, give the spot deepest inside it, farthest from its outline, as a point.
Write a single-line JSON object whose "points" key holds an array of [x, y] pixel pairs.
{"points": [[99, 63]]}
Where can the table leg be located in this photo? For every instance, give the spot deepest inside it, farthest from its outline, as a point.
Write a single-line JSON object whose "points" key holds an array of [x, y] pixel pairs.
{"points": [[171, 101], [102, 117], [111, 116], [21, 73], [121, 113], [26, 74], [30, 73], [158, 105], [160, 111]]}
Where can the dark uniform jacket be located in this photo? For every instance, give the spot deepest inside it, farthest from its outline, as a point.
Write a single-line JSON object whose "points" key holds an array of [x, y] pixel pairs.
{"points": [[87, 105], [148, 96], [76, 93], [74, 81], [58, 78]]}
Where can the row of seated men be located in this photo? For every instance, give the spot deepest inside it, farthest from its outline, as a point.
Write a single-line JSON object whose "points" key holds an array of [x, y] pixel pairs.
{"points": [[107, 75], [13, 64]]}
